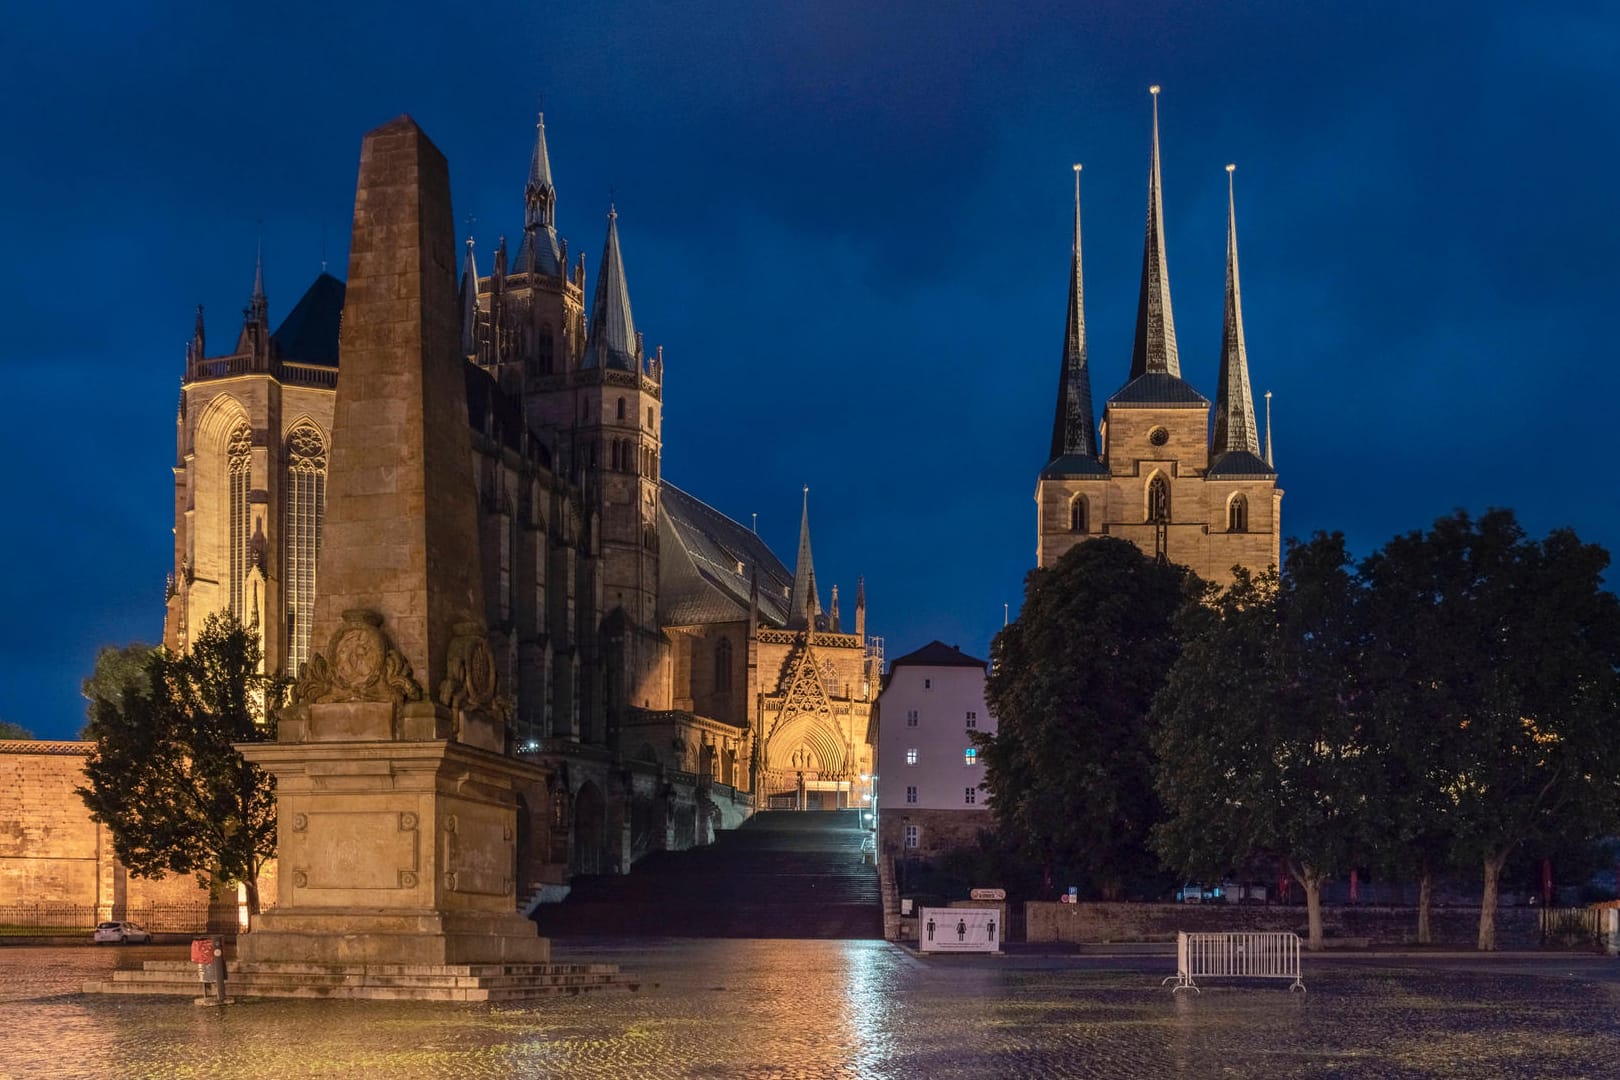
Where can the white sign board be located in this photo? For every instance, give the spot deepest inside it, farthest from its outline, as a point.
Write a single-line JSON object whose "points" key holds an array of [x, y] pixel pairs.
{"points": [[988, 894], [959, 929]]}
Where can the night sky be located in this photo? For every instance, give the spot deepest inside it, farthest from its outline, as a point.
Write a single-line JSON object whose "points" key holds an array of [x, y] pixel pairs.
{"points": [[848, 225]]}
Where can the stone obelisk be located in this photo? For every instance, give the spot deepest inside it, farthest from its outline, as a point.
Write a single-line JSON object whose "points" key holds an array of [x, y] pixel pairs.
{"points": [[396, 811]]}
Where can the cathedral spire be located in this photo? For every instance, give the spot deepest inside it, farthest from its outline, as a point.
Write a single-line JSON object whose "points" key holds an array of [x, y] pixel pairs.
{"points": [[1269, 460], [258, 311], [540, 252], [1234, 404], [469, 302], [804, 605], [1155, 348], [1072, 429], [611, 340]]}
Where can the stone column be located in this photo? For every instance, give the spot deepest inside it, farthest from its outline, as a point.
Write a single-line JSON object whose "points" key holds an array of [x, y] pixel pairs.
{"points": [[396, 802]]}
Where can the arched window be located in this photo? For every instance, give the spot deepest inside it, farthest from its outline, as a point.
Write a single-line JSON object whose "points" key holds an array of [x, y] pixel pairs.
{"points": [[1079, 519], [621, 408], [1158, 498], [306, 508], [543, 351], [649, 416], [722, 666], [239, 473], [1237, 514]]}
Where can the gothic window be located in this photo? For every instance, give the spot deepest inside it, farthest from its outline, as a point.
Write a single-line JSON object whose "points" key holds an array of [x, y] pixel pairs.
{"points": [[306, 509], [1237, 514], [1158, 499], [1078, 518], [543, 357], [722, 666], [621, 409], [239, 473]]}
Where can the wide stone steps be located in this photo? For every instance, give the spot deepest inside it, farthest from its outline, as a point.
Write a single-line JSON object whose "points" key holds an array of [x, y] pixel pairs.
{"points": [[783, 874], [449, 982]]}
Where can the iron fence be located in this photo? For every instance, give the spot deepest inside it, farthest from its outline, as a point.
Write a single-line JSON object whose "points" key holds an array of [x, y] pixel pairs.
{"points": [[159, 918]]}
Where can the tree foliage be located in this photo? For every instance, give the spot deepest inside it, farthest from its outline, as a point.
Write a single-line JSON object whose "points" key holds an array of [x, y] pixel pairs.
{"points": [[8, 730], [1497, 659], [1071, 684], [164, 776], [1260, 747]]}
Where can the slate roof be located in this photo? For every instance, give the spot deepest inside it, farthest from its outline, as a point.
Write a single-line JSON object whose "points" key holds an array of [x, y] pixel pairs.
{"points": [[1239, 465], [936, 654], [1159, 389], [309, 333], [611, 340], [699, 580], [1074, 466]]}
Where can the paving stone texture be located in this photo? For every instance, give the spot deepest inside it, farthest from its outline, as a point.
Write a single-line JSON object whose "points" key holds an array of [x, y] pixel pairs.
{"points": [[810, 1009]]}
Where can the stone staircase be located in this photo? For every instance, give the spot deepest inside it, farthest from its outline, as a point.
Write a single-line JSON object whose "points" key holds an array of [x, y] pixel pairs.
{"points": [[782, 874], [399, 982]]}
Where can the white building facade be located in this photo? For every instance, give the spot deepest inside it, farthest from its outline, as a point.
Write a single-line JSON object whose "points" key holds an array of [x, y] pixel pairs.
{"points": [[930, 797]]}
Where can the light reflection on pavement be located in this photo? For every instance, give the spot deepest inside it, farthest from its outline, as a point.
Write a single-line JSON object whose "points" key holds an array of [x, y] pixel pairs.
{"points": [[847, 1009]]}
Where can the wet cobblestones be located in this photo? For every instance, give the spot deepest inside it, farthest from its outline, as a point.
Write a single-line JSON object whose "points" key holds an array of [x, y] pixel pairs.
{"points": [[813, 1009]]}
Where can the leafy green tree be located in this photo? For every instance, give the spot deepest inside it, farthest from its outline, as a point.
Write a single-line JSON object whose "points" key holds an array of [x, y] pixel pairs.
{"points": [[8, 730], [1071, 684], [1507, 663], [1260, 747], [165, 777], [116, 667]]}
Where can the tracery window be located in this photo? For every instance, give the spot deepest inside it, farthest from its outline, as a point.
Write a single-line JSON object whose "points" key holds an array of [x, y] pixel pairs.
{"points": [[1158, 502], [1237, 514], [306, 509], [239, 480], [1077, 515], [722, 666]]}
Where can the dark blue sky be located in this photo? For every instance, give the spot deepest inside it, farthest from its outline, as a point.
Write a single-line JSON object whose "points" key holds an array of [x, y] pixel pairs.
{"points": [[849, 229]]}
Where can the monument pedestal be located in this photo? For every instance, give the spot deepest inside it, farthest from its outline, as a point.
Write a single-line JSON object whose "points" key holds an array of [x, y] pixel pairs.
{"points": [[393, 853]]}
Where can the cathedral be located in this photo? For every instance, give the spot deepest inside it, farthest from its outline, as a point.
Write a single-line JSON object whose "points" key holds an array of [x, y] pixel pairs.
{"points": [[1156, 474], [658, 663]]}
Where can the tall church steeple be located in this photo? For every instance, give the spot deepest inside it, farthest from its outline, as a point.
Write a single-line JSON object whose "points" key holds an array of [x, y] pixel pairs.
{"points": [[1234, 404], [804, 604], [1073, 431], [540, 252], [469, 302], [611, 341], [1155, 347], [255, 336]]}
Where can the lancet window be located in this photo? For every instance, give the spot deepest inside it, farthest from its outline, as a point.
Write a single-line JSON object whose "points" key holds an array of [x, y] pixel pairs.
{"points": [[239, 481], [1237, 514], [1158, 501], [306, 509]]}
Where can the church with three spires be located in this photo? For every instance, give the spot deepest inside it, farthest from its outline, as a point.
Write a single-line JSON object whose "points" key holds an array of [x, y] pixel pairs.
{"points": [[1155, 473], [654, 655]]}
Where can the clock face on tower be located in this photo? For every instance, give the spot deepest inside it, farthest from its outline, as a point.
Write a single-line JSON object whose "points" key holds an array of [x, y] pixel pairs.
{"points": [[1158, 436]]}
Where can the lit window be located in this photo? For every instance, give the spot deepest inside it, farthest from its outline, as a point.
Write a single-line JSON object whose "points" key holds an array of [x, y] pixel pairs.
{"points": [[970, 756], [911, 755], [911, 718], [970, 796], [911, 794], [911, 836]]}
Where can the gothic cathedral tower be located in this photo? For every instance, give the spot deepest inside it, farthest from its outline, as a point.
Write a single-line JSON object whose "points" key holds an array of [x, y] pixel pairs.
{"points": [[595, 395], [1157, 476]]}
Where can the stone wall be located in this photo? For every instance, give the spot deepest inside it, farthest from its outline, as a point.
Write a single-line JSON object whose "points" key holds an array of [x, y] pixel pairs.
{"points": [[938, 831], [1516, 927], [58, 864]]}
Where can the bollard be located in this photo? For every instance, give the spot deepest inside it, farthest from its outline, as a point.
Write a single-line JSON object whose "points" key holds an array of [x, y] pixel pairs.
{"points": [[209, 956]]}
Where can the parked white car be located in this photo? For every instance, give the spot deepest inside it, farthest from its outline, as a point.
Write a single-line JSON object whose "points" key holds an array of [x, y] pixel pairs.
{"points": [[119, 933]]}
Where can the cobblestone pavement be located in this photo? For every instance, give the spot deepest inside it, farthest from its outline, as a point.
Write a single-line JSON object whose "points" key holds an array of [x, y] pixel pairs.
{"points": [[817, 1009]]}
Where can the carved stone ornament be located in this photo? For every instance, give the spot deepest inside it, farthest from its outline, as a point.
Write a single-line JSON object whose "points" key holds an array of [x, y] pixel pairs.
{"points": [[300, 822], [407, 821], [469, 670], [301, 879], [407, 879], [360, 664]]}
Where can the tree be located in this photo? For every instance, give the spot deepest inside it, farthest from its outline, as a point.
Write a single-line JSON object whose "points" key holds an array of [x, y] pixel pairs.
{"points": [[1507, 667], [164, 776], [1071, 683], [115, 667], [1260, 747], [15, 732]]}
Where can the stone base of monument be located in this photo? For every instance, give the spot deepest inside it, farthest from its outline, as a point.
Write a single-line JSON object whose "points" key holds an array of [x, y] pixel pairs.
{"points": [[357, 936], [377, 982]]}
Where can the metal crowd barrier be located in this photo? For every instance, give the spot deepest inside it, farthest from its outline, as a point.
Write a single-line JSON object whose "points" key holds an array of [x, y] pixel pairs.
{"points": [[1236, 956]]}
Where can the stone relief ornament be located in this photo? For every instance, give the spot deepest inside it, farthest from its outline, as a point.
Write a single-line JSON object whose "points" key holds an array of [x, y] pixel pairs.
{"points": [[360, 664], [469, 679]]}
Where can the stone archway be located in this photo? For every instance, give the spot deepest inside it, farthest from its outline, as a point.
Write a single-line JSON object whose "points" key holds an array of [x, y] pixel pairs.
{"points": [[589, 849]]}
